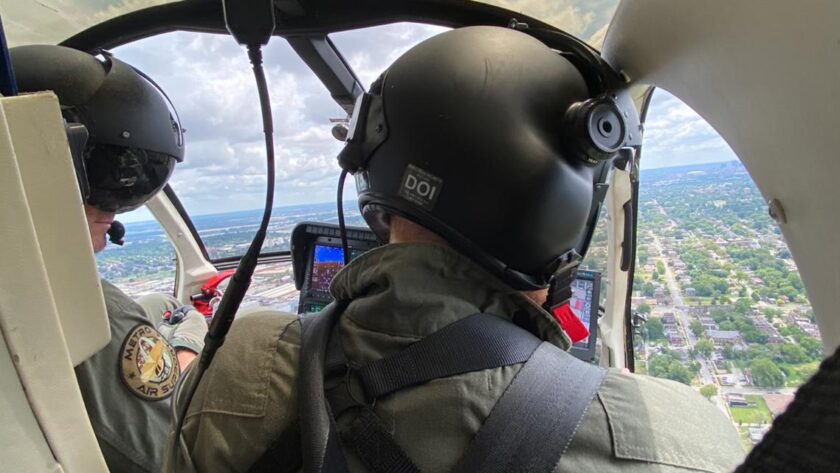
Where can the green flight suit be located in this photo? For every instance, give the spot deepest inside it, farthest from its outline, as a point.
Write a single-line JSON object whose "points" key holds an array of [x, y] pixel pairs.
{"points": [[401, 293], [127, 386]]}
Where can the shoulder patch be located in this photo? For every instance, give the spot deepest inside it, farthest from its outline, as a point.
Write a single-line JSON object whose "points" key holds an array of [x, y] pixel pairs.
{"points": [[148, 365]]}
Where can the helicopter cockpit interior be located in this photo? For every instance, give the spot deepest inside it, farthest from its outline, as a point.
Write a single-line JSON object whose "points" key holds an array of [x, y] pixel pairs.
{"points": [[764, 77]]}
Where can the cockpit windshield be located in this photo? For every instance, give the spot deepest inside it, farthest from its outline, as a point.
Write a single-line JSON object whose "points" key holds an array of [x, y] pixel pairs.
{"points": [[52, 21]]}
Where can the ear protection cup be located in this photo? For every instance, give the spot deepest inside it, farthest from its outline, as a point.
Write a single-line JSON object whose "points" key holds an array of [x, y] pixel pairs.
{"points": [[595, 129]]}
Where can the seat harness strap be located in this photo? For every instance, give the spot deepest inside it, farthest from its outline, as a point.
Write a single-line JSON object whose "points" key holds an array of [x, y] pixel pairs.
{"points": [[515, 433], [481, 341], [320, 442], [533, 423]]}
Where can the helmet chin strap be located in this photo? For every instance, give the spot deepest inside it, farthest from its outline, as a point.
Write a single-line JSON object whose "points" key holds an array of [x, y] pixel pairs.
{"points": [[560, 287], [559, 296], [559, 291]]}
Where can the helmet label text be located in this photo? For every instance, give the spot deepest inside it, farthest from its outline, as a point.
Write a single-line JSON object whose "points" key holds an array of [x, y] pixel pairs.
{"points": [[420, 187]]}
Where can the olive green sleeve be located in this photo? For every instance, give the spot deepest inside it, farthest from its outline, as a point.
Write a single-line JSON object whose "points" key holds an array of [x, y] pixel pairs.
{"points": [[246, 397], [187, 333], [639, 424]]}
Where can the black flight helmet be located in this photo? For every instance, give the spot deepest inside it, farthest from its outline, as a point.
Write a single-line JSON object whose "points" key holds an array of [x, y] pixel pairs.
{"points": [[134, 135], [467, 134]]}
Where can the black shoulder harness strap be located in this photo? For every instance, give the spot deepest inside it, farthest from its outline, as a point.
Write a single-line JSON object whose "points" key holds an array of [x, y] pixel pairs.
{"points": [[542, 406], [320, 442]]}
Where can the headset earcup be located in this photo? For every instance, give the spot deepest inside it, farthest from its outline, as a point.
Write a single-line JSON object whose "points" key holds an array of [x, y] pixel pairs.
{"points": [[594, 129]]}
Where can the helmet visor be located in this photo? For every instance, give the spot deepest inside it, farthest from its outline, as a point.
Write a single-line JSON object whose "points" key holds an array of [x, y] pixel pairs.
{"points": [[122, 179]]}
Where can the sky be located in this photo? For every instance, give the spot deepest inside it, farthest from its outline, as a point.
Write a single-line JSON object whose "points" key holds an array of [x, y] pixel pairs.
{"points": [[210, 82]]}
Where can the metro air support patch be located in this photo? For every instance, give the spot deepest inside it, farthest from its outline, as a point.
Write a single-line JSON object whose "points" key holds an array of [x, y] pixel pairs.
{"points": [[148, 365]]}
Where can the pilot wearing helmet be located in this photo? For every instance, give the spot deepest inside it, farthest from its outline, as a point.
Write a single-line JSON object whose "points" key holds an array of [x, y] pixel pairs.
{"points": [[463, 164], [125, 144]]}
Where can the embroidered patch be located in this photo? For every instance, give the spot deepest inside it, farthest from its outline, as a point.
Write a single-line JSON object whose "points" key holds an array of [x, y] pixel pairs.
{"points": [[148, 365]]}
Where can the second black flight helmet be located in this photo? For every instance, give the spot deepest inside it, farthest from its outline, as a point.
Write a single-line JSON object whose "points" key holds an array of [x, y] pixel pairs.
{"points": [[135, 138], [470, 144]]}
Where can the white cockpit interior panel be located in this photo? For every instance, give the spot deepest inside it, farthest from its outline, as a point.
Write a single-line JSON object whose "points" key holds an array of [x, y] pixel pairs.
{"points": [[53, 433], [766, 76]]}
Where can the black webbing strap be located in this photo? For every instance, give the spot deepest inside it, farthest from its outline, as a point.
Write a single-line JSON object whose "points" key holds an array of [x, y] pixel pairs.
{"points": [[478, 342], [481, 341], [551, 383], [534, 421], [283, 456], [375, 446], [320, 443]]}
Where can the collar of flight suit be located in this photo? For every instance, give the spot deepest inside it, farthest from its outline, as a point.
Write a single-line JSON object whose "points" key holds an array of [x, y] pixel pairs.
{"points": [[410, 290]]}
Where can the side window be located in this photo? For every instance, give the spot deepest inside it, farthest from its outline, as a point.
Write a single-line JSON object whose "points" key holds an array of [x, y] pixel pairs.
{"points": [[596, 255], [596, 260], [726, 310], [145, 264]]}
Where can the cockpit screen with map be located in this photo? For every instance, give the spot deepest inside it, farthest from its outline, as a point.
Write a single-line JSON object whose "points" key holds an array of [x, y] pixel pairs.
{"points": [[326, 262], [317, 257], [584, 304]]}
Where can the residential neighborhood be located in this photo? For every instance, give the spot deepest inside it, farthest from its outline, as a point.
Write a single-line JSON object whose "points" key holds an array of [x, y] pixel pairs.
{"points": [[726, 310]]}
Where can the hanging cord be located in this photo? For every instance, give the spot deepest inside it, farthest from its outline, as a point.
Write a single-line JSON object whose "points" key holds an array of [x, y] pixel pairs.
{"points": [[341, 227], [241, 279]]}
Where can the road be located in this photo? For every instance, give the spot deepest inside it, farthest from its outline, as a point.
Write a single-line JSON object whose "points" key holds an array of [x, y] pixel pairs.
{"points": [[681, 316]]}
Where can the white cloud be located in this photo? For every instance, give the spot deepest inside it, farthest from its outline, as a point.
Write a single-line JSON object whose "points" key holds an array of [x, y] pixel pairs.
{"points": [[676, 135], [210, 81], [370, 51], [581, 18]]}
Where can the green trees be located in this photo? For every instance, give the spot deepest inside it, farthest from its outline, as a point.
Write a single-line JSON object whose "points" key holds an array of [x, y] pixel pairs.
{"points": [[770, 313], [813, 348], [765, 373], [655, 329], [696, 327], [660, 266], [742, 306], [793, 353], [641, 253], [704, 347], [708, 391], [668, 365]]}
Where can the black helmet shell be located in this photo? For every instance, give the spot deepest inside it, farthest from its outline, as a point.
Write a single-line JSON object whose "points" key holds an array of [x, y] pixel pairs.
{"points": [[135, 138], [474, 151]]}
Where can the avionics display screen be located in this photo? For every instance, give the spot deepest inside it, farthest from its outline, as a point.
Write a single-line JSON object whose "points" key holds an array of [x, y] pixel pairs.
{"points": [[583, 293], [326, 263]]}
